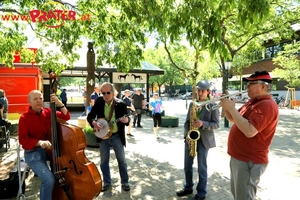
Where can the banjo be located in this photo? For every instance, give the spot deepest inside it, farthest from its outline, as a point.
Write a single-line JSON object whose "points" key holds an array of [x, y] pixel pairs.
{"points": [[107, 127]]}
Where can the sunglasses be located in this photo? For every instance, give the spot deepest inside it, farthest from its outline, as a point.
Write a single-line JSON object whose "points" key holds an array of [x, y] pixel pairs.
{"points": [[104, 93]]}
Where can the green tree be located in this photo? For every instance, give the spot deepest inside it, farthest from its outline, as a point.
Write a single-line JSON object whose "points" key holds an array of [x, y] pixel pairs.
{"points": [[223, 31], [288, 65], [120, 29], [172, 75], [71, 81]]}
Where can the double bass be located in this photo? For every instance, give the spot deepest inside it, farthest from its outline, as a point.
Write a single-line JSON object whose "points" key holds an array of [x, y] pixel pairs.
{"points": [[76, 177]]}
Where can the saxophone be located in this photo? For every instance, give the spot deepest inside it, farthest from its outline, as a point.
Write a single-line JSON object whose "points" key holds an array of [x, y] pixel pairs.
{"points": [[193, 135]]}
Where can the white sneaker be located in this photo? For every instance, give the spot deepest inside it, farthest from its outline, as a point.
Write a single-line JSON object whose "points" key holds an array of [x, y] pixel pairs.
{"points": [[157, 136]]}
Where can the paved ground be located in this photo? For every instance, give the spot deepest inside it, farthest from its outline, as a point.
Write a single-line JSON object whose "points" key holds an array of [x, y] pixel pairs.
{"points": [[156, 166]]}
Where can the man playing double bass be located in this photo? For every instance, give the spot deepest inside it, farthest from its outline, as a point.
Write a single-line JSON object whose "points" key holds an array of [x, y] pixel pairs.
{"points": [[110, 108], [34, 125]]}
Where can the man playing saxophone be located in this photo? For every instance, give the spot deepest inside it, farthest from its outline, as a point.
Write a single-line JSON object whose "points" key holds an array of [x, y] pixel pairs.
{"points": [[200, 121]]}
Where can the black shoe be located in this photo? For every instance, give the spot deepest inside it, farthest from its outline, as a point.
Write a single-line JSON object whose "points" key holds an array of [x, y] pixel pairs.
{"points": [[126, 187], [105, 187], [133, 126], [196, 197], [139, 126], [129, 134], [184, 192]]}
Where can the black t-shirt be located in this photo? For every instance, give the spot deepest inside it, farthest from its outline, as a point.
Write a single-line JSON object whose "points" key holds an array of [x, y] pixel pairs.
{"points": [[138, 101], [128, 103]]}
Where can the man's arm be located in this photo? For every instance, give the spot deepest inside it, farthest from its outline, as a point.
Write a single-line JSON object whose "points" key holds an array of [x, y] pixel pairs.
{"points": [[243, 124], [143, 104], [234, 115]]}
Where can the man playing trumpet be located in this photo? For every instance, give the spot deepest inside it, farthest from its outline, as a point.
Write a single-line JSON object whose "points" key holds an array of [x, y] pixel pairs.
{"points": [[202, 123], [251, 135]]}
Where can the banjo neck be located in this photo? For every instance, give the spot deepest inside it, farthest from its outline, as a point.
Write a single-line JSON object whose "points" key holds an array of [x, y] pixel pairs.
{"points": [[117, 120]]}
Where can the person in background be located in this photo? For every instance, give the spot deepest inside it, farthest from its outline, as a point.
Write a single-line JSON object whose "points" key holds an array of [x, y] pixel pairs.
{"points": [[63, 97], [95, 95], [110, 108], [157, 108], [3, 122], [138, 101], [1, 110], [33, 128], [116, 94], [205, 122], [130, 108], [84, 101], [4, 102], [88, 109], [251, 135]]}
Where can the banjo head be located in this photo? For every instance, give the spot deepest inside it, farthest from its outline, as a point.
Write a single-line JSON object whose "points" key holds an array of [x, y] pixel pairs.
{"points": [[102, 132]]}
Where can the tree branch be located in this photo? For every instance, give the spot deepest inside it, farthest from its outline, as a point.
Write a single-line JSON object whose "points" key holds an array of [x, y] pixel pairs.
{"points": [[172, 61], [233, 52]]}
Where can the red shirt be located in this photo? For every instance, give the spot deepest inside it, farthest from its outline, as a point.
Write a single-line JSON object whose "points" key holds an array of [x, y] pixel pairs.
{"points": [[262, 113], [34, 127]]}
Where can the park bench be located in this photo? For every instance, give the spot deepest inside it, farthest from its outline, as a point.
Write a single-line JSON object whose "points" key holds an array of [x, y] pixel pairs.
{"points": [[296, 104]]}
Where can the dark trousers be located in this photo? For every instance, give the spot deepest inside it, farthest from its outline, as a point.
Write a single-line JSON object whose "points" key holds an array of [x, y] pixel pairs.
{"points": [[156, 119], [137, 118]]}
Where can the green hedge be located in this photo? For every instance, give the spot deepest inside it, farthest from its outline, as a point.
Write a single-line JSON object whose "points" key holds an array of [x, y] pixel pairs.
{"points": [[169, 121]]}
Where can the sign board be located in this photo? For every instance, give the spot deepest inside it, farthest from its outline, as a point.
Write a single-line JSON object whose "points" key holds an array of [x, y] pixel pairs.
{"points": [[129, 77]]}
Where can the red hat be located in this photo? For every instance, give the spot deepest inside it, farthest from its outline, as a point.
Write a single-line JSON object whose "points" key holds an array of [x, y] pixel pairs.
{"points": [[259, 76]]}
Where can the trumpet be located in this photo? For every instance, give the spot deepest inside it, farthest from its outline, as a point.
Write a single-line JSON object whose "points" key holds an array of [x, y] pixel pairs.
{"points": [[217, 106]]}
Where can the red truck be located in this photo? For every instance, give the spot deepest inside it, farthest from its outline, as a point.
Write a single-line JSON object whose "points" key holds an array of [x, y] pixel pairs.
{"points": [[17, 83]]}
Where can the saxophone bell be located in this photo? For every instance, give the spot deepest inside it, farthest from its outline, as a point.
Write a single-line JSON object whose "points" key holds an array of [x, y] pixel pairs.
{"points": [[193, 135]]}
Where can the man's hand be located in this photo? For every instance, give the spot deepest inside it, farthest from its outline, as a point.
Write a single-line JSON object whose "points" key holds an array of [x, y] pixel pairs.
{"points": [[227, 104], [44, 144], [197, 123], [97, 126], [124, 119]]}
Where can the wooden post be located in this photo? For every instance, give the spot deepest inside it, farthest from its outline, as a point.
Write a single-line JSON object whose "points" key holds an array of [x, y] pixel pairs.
{"points": [[292, 94], [90, 67]]}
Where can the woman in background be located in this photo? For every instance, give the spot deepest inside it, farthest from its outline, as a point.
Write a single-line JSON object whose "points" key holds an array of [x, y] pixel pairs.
{"points": [[157, 108]]}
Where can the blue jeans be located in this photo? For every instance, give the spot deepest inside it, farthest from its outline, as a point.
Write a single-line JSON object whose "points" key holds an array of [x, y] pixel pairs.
{"points": [[202, 168], [118, 147], [36, 160]]}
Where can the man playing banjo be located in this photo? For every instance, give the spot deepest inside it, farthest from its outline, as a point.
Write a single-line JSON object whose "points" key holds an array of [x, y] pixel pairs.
{"points": [[110, 110]]}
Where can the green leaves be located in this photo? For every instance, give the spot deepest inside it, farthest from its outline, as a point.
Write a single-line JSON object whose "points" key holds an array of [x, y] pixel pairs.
{"points": [[289, 64], [120, 29]]}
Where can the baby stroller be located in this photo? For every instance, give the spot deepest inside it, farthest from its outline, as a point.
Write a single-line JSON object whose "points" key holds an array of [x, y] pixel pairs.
{"points": [[23, 170], [14, 185]]}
